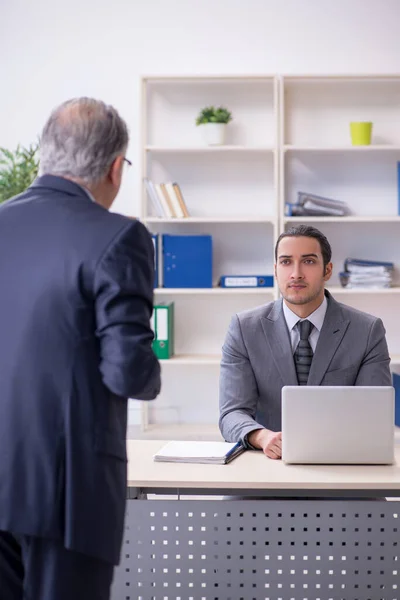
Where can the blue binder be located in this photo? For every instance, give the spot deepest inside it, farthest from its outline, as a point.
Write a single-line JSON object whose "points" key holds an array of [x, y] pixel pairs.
{"points": [[398, 188], [396, 385], [187, 261], [155, 243], [244, 281]]}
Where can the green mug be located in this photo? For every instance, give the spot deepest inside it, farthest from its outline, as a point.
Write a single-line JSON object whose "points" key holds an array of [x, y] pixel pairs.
{"points": [[361, 132]]}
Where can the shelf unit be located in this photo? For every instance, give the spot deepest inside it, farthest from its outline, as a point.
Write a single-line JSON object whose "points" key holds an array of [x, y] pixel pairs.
{"points": [[232, 194], [289, 134], [209, 149], [344, 148], [316, 156], [220, 291]]}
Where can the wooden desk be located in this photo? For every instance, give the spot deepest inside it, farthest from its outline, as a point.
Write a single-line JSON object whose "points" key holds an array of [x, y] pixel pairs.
{"points": [[204, 548], [253, 472]]}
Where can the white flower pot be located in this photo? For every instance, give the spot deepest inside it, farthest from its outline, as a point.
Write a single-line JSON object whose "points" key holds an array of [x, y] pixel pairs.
{"points": [[214, 133]]}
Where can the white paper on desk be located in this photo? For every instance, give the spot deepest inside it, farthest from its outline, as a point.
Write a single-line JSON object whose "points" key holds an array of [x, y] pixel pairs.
{"points": [[196, 452]]}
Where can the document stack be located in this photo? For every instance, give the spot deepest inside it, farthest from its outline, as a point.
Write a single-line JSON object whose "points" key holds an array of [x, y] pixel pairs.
{"points": [[366, 274], [316, 206], [209, 453]]}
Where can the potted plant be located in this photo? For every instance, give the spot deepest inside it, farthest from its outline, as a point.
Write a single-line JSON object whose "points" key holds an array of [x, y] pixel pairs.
{"points": [[17, 170], [214, 121]]}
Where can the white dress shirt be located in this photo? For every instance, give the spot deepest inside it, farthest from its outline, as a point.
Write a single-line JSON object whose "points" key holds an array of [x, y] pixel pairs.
{"points": [[316, 318], [86, 191]]}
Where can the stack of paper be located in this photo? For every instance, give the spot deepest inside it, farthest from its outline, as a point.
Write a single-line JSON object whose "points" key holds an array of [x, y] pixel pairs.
{"points": [[366, 274], [316, 206], [212, 453]]}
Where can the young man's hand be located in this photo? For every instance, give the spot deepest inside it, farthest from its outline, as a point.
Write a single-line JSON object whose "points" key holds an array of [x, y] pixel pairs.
{"points": [[270, 442]]}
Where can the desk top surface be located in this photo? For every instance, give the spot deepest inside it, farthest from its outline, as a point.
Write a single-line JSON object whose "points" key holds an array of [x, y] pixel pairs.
{"points": [[253, 470]]}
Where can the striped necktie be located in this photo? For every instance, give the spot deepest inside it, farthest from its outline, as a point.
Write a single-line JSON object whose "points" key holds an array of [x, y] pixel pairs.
{"points": [[303, 354]]}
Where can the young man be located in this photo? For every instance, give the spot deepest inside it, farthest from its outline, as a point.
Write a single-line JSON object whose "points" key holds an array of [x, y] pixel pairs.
{"points": [[305, 338], [75, 306]]}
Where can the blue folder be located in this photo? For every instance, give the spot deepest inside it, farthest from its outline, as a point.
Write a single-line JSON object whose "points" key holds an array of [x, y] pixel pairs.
{"points": [[398, 188], [155, 243], [396, 385], [246, 281], [187, 261]]}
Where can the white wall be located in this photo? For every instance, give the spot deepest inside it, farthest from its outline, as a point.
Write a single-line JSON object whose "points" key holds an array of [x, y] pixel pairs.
{"points": [[52, 50]]}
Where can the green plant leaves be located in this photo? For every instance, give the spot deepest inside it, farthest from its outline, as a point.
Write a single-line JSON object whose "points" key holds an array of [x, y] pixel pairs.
{"points": [[210, 114], [17, 170]]}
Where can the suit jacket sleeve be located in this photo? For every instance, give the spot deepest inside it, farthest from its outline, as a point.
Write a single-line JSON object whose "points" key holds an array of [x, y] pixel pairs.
{"points": [[124, 303], [374, 369], [238, 391]]}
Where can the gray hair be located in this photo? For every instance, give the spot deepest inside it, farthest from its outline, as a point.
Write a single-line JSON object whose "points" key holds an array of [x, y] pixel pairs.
{"points": [[81, 140]]}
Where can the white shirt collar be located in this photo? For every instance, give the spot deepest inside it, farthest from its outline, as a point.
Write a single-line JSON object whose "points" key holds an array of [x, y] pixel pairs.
{"points": [[86, 191], [316, 318]]}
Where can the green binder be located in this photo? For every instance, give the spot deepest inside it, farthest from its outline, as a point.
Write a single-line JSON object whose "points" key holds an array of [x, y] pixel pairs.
{"points": [[163, 327]]}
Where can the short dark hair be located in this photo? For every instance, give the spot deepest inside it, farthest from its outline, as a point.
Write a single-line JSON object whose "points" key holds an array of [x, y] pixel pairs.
{"points": [[308, 231]]}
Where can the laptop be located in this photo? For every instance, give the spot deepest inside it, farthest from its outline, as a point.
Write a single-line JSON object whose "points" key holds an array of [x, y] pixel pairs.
{"points": [[338, 424]]}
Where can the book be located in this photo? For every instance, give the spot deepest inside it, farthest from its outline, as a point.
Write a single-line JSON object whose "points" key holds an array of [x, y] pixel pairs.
{"points": [[154, 199], [174, 200], [181, 201], [209, 453], [165, 205], [168, 200]]}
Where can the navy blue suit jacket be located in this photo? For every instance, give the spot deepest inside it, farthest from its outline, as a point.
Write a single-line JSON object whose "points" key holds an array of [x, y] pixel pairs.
{"points": [[76, 297]]}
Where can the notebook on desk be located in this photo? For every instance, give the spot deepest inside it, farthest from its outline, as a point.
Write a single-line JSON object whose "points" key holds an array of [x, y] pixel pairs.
{"points": [[338, 424], [211, 453]]}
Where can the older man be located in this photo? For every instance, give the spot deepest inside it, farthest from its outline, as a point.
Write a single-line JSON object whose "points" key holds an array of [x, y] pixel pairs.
{"points": [[75, 307]]}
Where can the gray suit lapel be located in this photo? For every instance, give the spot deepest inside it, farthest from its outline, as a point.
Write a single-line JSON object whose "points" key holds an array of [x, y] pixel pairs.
{"points": [[278, 339], [331, 335]]}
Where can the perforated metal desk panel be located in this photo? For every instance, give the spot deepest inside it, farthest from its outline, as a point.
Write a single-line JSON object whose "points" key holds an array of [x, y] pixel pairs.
{"points": [[325, 538]]}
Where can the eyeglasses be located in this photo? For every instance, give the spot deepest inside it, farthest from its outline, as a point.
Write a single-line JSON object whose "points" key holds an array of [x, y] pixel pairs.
{"points": [[127, 161]]}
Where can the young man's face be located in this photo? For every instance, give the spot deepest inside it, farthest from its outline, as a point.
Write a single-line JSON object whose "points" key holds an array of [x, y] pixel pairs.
{"points": [[300, 272]]}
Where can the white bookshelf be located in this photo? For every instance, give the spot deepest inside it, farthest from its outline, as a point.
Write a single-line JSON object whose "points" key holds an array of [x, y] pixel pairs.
{"points": [[348, 219], [343, 148], [214, 291], [316, 156], [289, 134], [192, 359], [189, 220], [209, 149], [231, 192], [339, 291]]}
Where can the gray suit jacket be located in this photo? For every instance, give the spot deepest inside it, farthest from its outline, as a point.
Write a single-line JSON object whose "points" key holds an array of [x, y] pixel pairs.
{"points": [[257, 361]]}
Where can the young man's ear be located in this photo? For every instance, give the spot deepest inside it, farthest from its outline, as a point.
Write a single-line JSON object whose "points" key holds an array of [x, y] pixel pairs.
{"points": [[328, 271]]}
